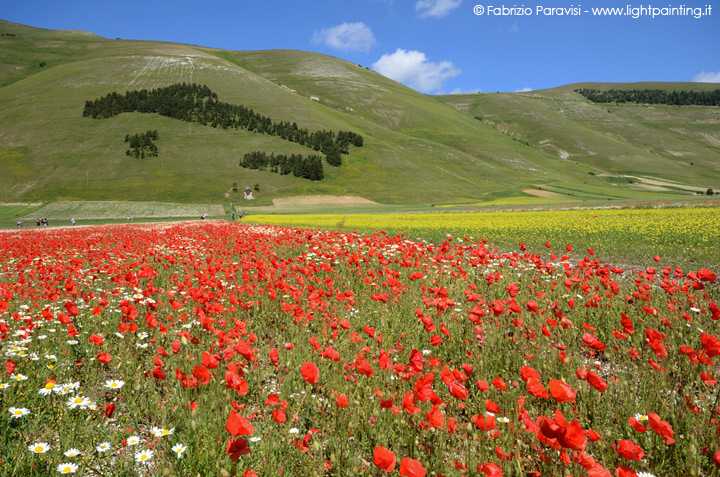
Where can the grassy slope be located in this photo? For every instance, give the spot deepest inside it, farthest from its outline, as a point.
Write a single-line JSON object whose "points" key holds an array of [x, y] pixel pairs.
{"points": [[651, 140], [418, 150]]}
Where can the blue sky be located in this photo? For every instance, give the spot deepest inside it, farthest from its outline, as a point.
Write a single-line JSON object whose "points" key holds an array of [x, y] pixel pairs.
{"points": [[434, 46]]}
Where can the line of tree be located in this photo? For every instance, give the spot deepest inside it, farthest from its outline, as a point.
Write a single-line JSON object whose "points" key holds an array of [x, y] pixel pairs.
{"points": [[653, 96], [197, 103], [141, 144], [308, 167]]}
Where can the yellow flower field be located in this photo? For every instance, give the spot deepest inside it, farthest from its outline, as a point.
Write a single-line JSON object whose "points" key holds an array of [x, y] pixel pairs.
{"points": [[683, 235]]}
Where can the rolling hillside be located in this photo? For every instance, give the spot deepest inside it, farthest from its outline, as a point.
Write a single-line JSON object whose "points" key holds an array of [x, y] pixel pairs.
{"points": [[418, 149]]}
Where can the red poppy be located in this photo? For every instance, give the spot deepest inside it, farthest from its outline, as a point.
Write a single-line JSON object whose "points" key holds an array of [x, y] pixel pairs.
{"points": [[411, 468], [109, 409], [710, 344], [637, 425], [596, 381], [236, 448], [499, 383], [279, 416], [237, 425], [104, 358], [629, 450], [209, 361], [341, 400], [536, 389], [705, 275], [561, 391], [484, 422], [10, 366], [310, 372], [384, 459], [97, 340], [435, 417], [662, 428]]}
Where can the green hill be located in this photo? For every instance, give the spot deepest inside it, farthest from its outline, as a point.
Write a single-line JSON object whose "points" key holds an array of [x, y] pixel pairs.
{"points": [[675, 144], [418, 149]]}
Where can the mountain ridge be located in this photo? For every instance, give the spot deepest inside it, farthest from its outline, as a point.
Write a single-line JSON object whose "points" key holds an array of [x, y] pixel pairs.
{"points": [[419, 149]]}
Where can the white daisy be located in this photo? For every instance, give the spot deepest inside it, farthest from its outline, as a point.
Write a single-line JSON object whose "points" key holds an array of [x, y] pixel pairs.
{"points": [[143, 456], [103, 446], [39, 447], [4, 385], [72, 452], [17, 412], [114, 383], [159, 432], [178, 449], [18, 377], [78, 401], [133, 440], [67, 468]]}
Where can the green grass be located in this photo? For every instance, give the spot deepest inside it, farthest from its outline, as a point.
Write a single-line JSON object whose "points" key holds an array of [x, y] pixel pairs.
{"points": [[118, 210], [13, 212]]}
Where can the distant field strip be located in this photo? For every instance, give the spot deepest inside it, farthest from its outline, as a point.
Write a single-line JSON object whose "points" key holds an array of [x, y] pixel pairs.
{"points": [[118, 210], [685, 235]]}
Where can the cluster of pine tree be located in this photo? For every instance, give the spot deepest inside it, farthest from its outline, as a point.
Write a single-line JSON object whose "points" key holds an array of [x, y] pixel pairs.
{"points": [[197, 103], [309, 167], [653, 96], [142, 145]]}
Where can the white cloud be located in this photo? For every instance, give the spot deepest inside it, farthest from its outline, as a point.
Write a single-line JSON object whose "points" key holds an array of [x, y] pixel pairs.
{"points": [[523, 90], [466, 91], [435, 8], [413, 69], [346, 36], [707, 77]]}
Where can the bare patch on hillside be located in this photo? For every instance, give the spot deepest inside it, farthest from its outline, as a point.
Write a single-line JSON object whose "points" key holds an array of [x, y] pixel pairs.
{"points": [[306, 200], [545, 194], [322, 68], [562, 153]]}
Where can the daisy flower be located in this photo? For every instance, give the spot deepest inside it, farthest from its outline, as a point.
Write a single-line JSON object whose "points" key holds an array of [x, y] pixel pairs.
{"points": [[18, 377], [641, 417], [67, 468], [294, 430], [19, 411], [133, 440], [504, 420], [78, 401], [159, 432], [178, 449], [103, 446], [72, 452], [114, 383], [143, 456], [39, 447], [4, 385]]}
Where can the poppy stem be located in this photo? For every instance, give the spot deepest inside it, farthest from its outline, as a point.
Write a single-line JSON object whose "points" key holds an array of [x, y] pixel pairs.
{"points": [[714, 406]]}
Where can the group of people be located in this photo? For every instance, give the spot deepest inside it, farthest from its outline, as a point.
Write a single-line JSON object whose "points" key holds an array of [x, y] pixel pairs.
{"points": [[42, 222]]}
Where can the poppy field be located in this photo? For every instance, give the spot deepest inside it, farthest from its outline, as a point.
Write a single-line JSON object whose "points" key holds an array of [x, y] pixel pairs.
{"points": [[215, 348], [680, 233]]}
